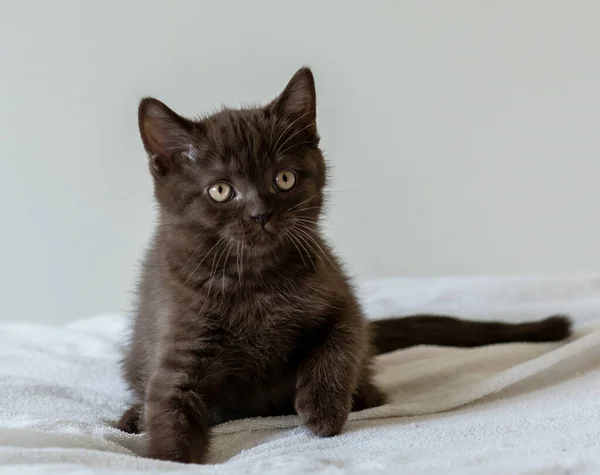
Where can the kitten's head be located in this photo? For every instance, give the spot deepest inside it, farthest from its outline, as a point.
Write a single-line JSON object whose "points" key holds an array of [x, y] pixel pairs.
{"points": [[246, 175]]}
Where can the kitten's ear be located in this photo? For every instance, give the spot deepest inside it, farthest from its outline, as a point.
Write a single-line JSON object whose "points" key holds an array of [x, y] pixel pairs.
{"points": [[298, 101], [164, 133]]}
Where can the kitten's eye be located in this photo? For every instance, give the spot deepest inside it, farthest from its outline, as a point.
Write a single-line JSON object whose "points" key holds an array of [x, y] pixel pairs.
{"points": [[285, 180], [220, 192]]}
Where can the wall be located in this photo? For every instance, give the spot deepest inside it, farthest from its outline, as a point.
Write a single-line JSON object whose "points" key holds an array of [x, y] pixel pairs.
{"points": [[464, 135]]}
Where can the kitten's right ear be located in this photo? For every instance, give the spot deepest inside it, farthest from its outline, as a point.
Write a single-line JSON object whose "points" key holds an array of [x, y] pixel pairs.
{"points": [[298, 101], [164, 133]]}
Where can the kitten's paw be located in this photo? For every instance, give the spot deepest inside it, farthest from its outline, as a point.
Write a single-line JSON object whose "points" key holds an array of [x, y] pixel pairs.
{"points": [[130, 421], [325, 427], [178, 447], [323, 417], [171, 449]]}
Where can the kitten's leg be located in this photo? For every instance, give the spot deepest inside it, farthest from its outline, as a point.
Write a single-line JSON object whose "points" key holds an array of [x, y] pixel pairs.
{"points": [[174, 416], [177, 409], [328, 378]]}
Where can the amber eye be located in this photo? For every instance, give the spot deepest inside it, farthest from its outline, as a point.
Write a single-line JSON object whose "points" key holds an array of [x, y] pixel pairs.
{"points": [[220, 192], [285, 180]]}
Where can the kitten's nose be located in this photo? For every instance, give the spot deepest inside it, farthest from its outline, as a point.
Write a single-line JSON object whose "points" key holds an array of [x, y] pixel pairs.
{"points": [[262, 218]]}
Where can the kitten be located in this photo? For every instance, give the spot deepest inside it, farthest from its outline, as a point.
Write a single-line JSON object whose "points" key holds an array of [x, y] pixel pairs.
{"points": [[243, 308]]}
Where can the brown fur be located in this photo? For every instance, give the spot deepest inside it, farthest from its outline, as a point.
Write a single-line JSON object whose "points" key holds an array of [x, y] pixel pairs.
{"points": [[243, 308]]}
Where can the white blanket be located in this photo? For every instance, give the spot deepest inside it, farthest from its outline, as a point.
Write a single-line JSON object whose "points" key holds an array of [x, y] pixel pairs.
{"points": [[514, 408]]}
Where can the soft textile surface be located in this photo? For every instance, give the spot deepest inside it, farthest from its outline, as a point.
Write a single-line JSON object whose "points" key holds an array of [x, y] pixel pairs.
{"points": [[514, 408]]}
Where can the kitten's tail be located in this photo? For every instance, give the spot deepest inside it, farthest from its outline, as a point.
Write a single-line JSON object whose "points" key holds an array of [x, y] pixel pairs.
{"points": [[395, 333]]}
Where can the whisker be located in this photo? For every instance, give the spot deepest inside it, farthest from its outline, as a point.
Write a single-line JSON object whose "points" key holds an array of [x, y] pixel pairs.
{"points": [[312, 225], [213, 269], [292, 146], [193, 254], [201, 261], [324, 222], [312, 248], [301, 243], [293, 241], [241, 258], [237, 261], [302, 202], [292, 136], [225, 263], [308, 236], [287, 128], [307, 209]]}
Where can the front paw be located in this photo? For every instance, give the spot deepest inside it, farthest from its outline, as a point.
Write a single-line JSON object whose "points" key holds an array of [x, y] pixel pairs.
{"points": [[172, 449], [130, 420], [175, 446], [324, 416]]}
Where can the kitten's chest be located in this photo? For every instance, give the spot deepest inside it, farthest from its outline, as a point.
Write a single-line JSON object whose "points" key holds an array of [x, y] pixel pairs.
{"points": [[271, 305], [265, 325]]}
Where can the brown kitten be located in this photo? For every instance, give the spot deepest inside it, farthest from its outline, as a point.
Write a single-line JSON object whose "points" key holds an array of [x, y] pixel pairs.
{"points": [[243, 308]]}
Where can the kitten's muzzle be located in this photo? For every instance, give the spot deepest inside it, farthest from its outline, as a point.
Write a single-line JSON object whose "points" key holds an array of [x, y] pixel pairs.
{"points": [[262, 218]]}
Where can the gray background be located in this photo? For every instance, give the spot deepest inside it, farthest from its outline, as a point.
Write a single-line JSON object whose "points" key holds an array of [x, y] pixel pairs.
{"points": [[463, 135]]}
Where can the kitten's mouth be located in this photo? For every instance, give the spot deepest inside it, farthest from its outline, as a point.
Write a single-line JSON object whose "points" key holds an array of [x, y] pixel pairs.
{"points": [[262, 238]]}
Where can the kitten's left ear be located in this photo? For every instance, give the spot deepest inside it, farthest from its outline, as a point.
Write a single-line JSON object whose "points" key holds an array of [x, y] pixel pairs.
{"points": [[298, 101]]}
